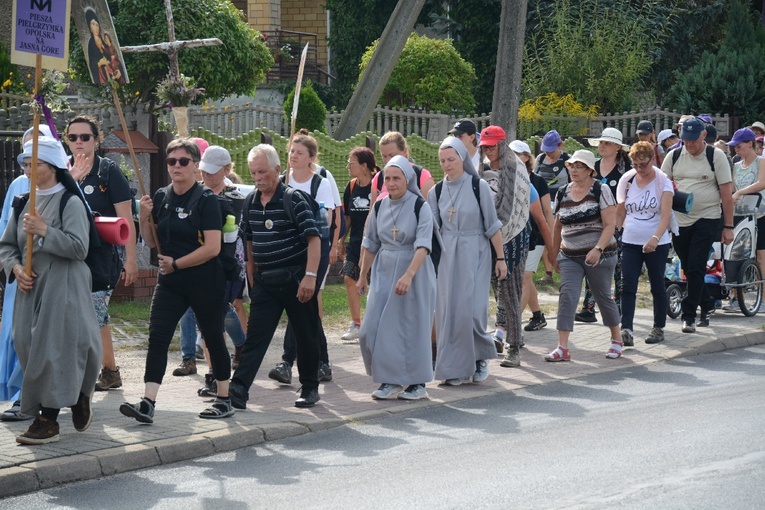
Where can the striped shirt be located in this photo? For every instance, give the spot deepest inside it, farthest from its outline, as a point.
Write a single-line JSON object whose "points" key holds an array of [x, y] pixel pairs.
{"points": [[581, 221], [276, 240]]}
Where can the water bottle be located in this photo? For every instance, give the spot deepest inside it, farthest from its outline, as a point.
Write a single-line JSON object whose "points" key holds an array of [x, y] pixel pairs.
{"points": [[229, 229], [324, 223]]}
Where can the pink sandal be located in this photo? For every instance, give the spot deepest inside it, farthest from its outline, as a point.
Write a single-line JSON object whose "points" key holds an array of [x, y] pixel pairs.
{"points": [[615, 351], [559, 354]]}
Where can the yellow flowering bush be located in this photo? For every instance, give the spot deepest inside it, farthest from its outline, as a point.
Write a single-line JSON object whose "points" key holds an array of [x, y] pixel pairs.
{"points": [[551, 111]]}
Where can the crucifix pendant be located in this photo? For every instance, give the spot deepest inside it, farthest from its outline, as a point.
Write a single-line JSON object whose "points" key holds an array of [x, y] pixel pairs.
{"points": [[452, 210], [394, 230]]}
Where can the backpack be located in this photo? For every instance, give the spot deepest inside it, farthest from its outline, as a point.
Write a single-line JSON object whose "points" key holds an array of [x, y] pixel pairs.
{"points": [[103, 185], [435, 242], [710, 153], [381, 180], [476, 191], [227, 254], [311, 199], [103, 260], [596, 191]]}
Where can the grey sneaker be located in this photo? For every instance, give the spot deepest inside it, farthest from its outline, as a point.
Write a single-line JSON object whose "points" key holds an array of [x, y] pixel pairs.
{"points": [[188, 366], [655, 336], [458, 381], [512, 358], [481, 370], [386, 391], [325, 372], [108, 379], [282, 373], [627, 338], [143, 411], [414, 392]]}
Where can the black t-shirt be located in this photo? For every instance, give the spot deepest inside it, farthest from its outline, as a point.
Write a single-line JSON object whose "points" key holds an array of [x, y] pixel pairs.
{"points": [[117, 189], [540, 184], [179, 235], [612, 179], [356, 204]]}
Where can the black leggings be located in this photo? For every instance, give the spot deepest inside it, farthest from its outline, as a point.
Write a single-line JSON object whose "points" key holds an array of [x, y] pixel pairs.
{"points": [[203, 289]]}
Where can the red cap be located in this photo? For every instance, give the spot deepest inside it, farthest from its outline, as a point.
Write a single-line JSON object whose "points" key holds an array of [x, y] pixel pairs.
{"points": [[492, 135]]}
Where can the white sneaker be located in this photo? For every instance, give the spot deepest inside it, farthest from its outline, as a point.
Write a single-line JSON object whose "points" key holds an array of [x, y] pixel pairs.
{"points": [[414, 392], [481, 370], [386, 391], [352, 333], [732, 307]]}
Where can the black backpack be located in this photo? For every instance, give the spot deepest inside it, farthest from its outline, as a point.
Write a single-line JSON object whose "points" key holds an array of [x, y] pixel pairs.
{"points": [[103, 260], [381, 180], [435, 242], [311, 199], [227, 255], [709, 151], [596, 191], [476, 191]]}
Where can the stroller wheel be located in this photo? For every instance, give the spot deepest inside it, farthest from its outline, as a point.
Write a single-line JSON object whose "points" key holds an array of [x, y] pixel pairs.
{"points": [[675, 297], [749, 294]]}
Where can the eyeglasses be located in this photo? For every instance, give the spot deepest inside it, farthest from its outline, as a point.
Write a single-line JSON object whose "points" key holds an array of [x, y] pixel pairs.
{"points": [[642, 165], [180, 161], [84, 137], [351, 163]]}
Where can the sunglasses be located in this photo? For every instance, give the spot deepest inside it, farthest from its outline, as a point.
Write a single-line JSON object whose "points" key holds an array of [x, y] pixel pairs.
{"points": [[181, 161], [85, 137]]}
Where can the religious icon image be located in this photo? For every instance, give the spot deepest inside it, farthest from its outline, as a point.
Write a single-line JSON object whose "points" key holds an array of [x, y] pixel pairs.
{"points": [[95, 28]]}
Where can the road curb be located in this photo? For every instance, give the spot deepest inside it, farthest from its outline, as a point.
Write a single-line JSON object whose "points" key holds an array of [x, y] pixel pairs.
{"points": [[49, 473]]}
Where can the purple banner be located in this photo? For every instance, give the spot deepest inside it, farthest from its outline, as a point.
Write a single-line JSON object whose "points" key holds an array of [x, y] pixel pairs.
{"points": [[41, 27]]}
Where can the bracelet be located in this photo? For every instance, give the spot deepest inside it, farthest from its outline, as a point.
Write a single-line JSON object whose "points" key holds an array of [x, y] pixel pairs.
{"points": [[657, 239], [730, 227], [311, 273], [502, 259], [599, 248], [175, 266]]}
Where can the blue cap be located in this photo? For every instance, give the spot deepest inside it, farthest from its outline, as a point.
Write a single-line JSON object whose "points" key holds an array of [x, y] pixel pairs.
{"points": [[742, 135], [551, 141], [691, 130]]}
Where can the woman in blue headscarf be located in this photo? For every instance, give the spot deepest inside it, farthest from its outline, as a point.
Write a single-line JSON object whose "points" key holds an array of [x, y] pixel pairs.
{"points": [[463, 208], [395, 335]]}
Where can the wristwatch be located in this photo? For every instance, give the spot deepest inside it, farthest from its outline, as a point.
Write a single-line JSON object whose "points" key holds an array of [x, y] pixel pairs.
{"points": [[729, 227], [599, 248]]}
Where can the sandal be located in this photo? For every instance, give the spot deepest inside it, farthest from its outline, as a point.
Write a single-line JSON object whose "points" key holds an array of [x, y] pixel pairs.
{"points": [[559, 354], [15, 414], [615, 351], [220, 409]]}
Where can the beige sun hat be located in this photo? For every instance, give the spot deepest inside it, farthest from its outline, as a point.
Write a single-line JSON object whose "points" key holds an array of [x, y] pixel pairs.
{"points": [[612, 135], [582, 156]]}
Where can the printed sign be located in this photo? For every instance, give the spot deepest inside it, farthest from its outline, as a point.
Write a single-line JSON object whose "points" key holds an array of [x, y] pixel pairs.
{"points": [[95, 28], [41, 26]]}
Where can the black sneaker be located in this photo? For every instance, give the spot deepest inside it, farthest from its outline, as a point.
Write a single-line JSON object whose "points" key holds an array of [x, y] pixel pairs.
{"points": [[325, 372], [282, 373], [143, 411], [210, 389], [586, 316], [238, 396], [703, 321], [308, 397], [536, 323]]}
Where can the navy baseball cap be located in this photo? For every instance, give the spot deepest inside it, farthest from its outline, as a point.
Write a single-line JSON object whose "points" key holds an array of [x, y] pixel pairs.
{"points": [[692, 129]]}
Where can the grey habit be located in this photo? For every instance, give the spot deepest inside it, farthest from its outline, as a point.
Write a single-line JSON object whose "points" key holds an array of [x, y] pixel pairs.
{"points": [[55, 331], [395, 333], [462, 307]]}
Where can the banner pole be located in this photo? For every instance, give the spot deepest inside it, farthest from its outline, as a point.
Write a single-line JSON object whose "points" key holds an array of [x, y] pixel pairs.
{"points": [[33, 180]]}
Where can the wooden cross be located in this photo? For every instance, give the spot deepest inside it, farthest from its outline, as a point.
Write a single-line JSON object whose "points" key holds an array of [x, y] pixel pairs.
{"points": [[452, 210], [172, 47], [394, 230]]}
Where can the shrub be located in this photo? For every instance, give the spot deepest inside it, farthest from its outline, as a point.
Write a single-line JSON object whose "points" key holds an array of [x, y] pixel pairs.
{"points": [[430, 74], [311, 111]]}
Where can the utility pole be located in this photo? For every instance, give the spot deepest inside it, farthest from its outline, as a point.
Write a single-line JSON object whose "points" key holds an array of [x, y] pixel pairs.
{"points": [[507, 79], [377, 73]]}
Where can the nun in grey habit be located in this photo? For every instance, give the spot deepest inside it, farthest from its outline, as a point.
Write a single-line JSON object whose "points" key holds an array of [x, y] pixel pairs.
{"points": [[469, 231], [395, 333]]}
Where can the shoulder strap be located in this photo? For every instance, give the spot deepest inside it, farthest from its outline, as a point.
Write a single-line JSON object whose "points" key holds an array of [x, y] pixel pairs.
{"points": [[418, 173], [417, 206], [439, 188], [289, 208], [315, 183], [710, 150], [377, 207], [61, 205], [19, 201], [596, 189], [477, 193], [676, 154], [103, 174], [380, 180], [323, 171], [352, 184]]}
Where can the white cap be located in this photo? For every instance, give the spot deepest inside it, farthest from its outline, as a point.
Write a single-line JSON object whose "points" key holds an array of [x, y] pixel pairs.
{"points": [[519, 146], [214, 158], [664, 134]]}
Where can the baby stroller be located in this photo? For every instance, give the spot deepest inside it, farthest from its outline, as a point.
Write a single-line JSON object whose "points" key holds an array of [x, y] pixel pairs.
{"points": [[740, 276]]}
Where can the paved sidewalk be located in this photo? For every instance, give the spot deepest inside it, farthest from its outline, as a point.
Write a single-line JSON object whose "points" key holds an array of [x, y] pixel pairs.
{"points": [[116, 444]]}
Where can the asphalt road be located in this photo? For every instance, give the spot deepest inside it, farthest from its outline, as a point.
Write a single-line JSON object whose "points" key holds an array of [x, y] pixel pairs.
{"points": [[688, 433]]}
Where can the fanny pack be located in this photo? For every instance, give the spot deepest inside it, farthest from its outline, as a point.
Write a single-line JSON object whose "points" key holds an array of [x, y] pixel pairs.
{"points": [[279, 276]]}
